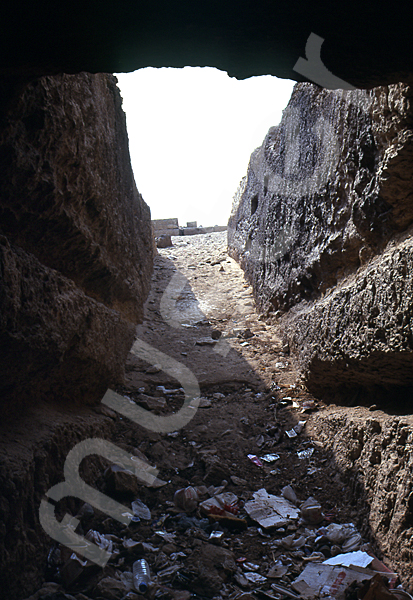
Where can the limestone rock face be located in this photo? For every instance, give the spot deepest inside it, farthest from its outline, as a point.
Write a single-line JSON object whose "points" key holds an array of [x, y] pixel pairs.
{"points": [[76, 242], [321, 228]]}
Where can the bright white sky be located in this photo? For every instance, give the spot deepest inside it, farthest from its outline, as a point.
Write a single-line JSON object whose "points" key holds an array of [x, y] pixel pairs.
{"points": [[191, 133]]}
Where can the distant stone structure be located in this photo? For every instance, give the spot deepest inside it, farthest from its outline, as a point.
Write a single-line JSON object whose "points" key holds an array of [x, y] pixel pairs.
{"points": [[171, 227], [165, 227]]}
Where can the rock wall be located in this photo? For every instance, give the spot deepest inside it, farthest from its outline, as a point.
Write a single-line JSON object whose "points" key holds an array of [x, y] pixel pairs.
{"points": [[321, 228], [373, 460], [76, 242], [76, 254]]}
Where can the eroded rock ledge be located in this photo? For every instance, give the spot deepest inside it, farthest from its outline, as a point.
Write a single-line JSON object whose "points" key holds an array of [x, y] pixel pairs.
{"points": [[321, 228], [76, 242]]}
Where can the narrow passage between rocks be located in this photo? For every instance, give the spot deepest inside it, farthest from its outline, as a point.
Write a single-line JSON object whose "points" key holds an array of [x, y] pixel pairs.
{"points": [[213, 529]]}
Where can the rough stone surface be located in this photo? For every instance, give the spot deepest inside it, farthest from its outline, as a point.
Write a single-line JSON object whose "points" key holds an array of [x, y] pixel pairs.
{"points": [[316, 226], [76, 252], [77, 244], [33, 453], [373, 454], [360, 333]]}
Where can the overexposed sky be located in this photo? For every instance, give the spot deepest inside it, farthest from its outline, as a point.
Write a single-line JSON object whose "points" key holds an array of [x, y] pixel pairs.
{"points": [[191, 133]]}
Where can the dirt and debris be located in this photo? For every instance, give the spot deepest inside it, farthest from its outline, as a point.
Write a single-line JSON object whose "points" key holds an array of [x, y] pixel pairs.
{"points": [[252, 506]]}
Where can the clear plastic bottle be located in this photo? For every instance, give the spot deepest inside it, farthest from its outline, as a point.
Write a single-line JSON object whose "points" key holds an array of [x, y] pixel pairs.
{"points": [[141, 575]]}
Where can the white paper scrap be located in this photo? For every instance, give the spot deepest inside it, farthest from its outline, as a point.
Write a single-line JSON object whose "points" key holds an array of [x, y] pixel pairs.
{"points": [[271, 511], [320, 580], [350, 559]]}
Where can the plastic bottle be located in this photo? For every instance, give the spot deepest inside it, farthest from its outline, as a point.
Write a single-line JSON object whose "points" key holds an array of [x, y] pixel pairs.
{"points": [[141, 575]]}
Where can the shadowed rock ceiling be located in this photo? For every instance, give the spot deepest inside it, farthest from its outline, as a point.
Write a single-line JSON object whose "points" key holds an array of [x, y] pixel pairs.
{"points": [[365, 43]]}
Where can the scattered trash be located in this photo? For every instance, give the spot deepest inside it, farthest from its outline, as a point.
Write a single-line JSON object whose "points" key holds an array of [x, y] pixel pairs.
{"points": [[291, 542], [218, 531], [338, 533], [300, 426], [141, 510], [314, 557], [270, 458], [288, 493], [351, 559], [100, 540], [216, 535], [311, 511], [376, 588], [169, 392], [263, 533], [225, 504], [141, 576], [186, 522], [271, 511], [291, 433], [130, 544], [353, 543], [248, 566], [168, 537], [284, 591], [308, 453], [254, 459], [277, 571], [327, 580], [186, 499], [255, 578], [127, 580]]}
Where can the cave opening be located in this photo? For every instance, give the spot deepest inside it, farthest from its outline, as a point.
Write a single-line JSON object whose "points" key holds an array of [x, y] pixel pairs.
{"points": [[191, 133], [73, 277]]}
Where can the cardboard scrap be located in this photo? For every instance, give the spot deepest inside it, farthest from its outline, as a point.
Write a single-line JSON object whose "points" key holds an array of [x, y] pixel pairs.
{"points": [[319, 580], [271, 511], [362, 559]]}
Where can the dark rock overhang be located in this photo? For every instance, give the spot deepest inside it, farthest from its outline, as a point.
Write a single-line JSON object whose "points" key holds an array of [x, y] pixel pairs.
{"points": [[366, 44]]}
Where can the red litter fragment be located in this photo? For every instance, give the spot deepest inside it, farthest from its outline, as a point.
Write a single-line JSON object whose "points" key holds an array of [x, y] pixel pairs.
{"points": [[241, 560], [232, 508], [254, 458]]}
